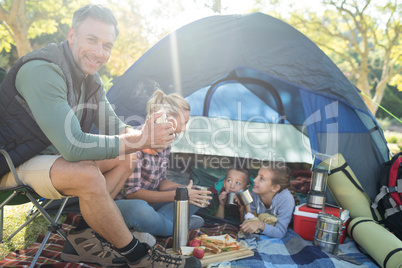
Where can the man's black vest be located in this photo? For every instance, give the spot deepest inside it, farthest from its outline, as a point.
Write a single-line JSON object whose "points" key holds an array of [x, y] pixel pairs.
{"points": [[20, 135]]}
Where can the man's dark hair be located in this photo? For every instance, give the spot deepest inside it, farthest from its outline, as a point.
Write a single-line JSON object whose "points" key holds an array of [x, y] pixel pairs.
{"points": [[97, 12]]}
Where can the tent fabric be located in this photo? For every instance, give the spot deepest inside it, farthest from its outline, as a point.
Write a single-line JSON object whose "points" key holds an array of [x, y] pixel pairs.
{"points": [[274, 73], [212, 46], [243, 140]]}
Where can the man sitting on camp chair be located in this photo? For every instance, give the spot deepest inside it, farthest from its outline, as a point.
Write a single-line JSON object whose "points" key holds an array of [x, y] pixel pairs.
{"points": [[49, 101]]}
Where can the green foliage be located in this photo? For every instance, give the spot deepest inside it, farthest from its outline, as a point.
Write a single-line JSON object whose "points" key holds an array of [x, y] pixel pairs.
{"points": [[135, 32], [392, 139], [41, 27], [4, 59], [6, 39], [397, 81], [141, 26], [384, 123], [43, 18], [392, 101], [107, 82], [361, 37]]}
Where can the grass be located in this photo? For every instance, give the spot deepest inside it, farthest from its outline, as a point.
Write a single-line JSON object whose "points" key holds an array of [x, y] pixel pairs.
{"points": [[394, 140], [14, 216], [393, 133]]}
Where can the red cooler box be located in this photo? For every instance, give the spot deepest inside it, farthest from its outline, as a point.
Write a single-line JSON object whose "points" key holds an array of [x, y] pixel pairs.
{"points": [[305, 219]]}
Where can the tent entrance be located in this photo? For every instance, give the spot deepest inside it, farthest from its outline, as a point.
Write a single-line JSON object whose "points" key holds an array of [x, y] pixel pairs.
{"points": [[258, 87]]}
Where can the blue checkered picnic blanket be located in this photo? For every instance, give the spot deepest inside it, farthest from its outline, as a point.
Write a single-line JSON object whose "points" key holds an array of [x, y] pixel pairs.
{"points": [[288, 252], [293, 251]]}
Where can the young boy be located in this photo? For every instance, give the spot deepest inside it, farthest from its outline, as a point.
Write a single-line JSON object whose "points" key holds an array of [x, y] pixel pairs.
{"points": [[236, 179]]}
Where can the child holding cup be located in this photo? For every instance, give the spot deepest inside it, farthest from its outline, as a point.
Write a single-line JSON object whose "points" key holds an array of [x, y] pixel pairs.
{"points": [[271, 194], [236, 179]]}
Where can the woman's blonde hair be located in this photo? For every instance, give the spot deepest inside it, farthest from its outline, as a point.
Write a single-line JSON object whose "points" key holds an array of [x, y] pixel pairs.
{"points": [[171, 104]]}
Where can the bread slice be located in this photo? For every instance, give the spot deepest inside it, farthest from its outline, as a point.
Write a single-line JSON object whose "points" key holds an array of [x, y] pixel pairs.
{"points": [[186, 251], [210, 247]]}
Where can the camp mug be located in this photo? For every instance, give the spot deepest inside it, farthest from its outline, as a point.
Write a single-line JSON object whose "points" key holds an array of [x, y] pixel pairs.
{"points": [[328, 232], [202, 188], [230, 199], [162, 119], [244, 197]]}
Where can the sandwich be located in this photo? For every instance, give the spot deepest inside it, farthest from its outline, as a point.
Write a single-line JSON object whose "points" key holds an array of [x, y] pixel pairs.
{"points": [[217, 244]]}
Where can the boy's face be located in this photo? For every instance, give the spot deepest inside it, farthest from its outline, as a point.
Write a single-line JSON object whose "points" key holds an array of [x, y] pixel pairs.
{"points": [[235, 181]]}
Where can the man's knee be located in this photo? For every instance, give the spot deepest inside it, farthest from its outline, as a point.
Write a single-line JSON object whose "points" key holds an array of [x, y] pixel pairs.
{"points": [[78, 178], [91, 176]]}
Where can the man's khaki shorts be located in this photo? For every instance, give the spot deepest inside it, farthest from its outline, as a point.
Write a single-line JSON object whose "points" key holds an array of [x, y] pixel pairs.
{"points": [[35, 173]]}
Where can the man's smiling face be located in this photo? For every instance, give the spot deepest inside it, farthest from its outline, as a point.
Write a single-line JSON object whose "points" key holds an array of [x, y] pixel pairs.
{"points": [[91, 44]]}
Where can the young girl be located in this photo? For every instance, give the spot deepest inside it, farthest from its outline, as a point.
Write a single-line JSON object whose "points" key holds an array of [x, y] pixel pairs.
{"points": [[236, 179], [271, 194], [146, 200]]}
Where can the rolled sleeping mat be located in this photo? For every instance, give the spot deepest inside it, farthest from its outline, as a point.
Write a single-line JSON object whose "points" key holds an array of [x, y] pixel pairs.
{"points": [[347, 190], [383, 246]]}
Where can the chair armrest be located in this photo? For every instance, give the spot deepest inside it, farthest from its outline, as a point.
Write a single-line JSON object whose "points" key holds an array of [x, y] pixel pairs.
{"points": [[10, 164]]}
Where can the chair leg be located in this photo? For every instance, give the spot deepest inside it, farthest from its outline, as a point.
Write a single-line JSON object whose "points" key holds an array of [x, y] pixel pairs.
{"points": [[2, 214], [1, 224], [52, 227], [32, 210], [42, 246], [33, 216]]}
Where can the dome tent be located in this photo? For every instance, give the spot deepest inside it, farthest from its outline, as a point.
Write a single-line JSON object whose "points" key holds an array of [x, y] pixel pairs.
{"points": [[258, 88]]}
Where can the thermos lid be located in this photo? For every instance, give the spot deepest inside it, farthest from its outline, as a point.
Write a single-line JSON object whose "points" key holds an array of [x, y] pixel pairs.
{"points": [[320, 169], [181, 194]]}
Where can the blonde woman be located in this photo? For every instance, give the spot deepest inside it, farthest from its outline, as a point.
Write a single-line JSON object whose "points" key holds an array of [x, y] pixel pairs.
{"points": [[146, 199]]}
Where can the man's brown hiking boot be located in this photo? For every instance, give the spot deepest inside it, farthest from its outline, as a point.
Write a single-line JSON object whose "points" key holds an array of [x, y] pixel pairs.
{"points": [[87, 246]]}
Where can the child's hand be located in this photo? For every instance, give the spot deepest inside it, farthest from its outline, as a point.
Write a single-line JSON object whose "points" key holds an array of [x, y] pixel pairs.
{"points": [[252, 226], [222, 198]]}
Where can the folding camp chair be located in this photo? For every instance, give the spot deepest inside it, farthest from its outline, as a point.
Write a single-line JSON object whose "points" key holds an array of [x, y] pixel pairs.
{"points": [[22, 194]]}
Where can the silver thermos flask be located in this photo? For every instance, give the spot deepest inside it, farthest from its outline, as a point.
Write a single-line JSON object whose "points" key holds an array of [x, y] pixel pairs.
{"points": [[181, 218]]}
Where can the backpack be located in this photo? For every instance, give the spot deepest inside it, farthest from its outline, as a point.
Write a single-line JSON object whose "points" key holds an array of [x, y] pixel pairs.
{"points": [[389, 198]]}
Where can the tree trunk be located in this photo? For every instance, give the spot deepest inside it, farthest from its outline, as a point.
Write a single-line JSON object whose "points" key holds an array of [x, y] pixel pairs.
{"points": [[18, 24], [20, 28], [385, 78], [364, 85], [21, 41], [379, 94]]}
